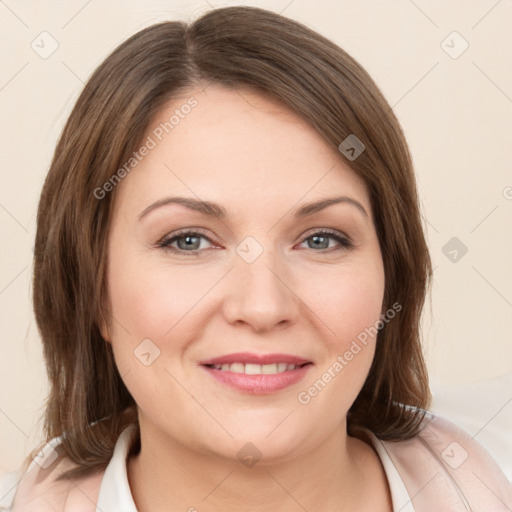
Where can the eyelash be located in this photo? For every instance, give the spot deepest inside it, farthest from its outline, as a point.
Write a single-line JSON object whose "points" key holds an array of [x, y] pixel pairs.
{"points": [[164, 244]]}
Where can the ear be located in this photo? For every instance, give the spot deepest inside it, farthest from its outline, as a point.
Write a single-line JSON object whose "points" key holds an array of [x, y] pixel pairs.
{"points": [[104, 321], [105, 334]]}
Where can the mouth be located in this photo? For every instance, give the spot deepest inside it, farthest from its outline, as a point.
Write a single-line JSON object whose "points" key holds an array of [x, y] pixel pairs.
{"points": [[256, 369], [257, 374]]}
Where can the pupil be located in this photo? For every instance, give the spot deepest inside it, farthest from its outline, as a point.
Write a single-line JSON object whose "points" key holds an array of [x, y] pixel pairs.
{"points": [[317, 238], [189, 241]]}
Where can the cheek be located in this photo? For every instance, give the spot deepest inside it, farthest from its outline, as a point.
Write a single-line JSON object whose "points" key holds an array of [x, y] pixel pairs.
{"points": [[334, 385], [149, 301], [149, 298], [348, 301], [159, 302], [348, 305]]}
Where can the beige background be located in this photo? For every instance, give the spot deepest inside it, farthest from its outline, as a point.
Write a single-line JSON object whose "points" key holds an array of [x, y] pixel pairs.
{"points": [[456, 113]]}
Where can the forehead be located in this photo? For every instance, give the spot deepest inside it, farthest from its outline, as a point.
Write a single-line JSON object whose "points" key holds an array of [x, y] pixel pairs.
{"points": [[240, 148]]}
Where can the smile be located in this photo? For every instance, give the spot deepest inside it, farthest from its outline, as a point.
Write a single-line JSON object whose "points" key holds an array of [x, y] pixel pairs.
{"points": [[255, 369], [256, 379]]}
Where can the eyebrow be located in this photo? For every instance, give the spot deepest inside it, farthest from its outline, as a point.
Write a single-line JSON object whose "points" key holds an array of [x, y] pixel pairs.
{"points": [[215, 210]]}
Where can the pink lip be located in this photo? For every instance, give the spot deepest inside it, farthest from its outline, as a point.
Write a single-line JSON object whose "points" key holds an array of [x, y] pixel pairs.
{"points": [[246, 357], [259, 384]]}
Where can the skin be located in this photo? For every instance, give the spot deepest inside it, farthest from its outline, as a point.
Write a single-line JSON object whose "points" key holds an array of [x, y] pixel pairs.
{"points": [[259, 161]]}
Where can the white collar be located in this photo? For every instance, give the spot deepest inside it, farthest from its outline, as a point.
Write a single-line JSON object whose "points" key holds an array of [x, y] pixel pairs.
{"points": [[400, 497], [115, 494]]}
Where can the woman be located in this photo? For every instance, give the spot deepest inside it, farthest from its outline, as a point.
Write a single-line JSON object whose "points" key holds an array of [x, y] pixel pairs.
{"points": [[230, 269]]}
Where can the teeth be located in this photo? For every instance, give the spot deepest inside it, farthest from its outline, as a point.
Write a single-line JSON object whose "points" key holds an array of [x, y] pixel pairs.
{"points": [[256, 369]]}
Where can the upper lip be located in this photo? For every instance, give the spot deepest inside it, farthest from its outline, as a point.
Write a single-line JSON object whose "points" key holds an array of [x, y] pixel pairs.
{"points": [[246, 357]]}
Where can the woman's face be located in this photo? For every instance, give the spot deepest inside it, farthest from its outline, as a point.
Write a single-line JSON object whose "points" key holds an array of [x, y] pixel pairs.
{"points": [[262, 279]]}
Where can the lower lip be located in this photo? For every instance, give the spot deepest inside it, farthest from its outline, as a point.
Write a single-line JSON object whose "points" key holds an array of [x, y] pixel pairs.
{"points": [[259, 384]]}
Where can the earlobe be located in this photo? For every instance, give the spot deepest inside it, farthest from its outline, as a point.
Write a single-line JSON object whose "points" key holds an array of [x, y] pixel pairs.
{"points": [[104, 334], [104, 330], [103, 324]]}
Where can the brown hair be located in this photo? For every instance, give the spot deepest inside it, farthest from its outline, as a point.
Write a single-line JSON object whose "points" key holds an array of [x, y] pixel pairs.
{"points": [[237, 47]]}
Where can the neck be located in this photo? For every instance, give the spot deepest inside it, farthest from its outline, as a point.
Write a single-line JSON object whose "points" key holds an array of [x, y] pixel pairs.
{"points": [[343, 473]]}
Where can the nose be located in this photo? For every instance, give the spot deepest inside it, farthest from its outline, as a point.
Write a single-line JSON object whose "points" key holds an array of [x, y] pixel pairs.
{"points": [[260, 294]]}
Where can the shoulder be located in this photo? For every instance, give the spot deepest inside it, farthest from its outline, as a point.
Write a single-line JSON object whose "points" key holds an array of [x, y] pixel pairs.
{"points": [[443, 464], [484, 410], [37, 489]]}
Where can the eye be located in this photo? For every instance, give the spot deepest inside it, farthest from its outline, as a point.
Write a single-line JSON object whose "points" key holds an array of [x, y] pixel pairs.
{"points": [[320, 239], [187, 241], [190, 241]]}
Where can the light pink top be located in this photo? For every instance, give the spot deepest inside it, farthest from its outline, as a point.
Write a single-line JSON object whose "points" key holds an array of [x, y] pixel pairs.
{"points": [[442, 469]]}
